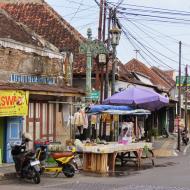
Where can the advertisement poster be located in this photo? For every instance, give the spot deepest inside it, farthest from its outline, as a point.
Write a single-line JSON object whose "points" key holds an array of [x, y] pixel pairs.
{"points": [[13, 103]]}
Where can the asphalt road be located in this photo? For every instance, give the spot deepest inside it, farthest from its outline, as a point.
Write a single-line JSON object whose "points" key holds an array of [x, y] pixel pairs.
{"points": [[168, 174]]}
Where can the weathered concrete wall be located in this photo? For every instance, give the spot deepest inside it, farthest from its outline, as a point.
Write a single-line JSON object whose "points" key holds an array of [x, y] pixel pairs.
{"points": [[16, 61]]}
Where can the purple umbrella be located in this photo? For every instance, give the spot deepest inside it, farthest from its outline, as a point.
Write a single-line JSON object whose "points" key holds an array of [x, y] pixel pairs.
{"points": [[139, 97]]}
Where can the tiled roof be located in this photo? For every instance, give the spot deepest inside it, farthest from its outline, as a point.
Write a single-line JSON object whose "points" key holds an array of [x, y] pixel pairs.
{"points": [[137, 66], [39, 87], [125, 75], [12, 30], [164, 76], [170, 73], [46, 22]]}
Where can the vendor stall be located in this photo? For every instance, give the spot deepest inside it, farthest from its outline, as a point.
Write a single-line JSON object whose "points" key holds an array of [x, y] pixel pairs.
{"points": [[101, 158]]}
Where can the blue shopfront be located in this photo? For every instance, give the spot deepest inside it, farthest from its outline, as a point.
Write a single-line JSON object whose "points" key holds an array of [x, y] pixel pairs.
{"points": [[10, 132], [13, 108]]}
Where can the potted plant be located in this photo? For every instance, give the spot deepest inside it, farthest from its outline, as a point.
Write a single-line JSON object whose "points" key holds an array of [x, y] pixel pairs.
{"points": [[153, 133]]}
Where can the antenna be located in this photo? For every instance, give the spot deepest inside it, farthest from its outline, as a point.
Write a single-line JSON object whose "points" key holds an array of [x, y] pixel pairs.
{"points": [[136, 52]]}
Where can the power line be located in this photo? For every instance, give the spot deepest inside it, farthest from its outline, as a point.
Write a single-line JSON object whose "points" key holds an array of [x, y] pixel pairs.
{"points": [[156, 20], [135, 47], [158, 43], [154, 8], [153, 16], [175, 40], [154, 11], [82, 10], [142, 45]]}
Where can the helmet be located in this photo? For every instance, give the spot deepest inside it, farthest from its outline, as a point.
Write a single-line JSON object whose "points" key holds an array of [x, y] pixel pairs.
{"points": [[26, 137]]}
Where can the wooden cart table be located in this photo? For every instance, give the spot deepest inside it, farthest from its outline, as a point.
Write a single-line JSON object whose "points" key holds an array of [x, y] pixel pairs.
{"points": [[101, 158]]}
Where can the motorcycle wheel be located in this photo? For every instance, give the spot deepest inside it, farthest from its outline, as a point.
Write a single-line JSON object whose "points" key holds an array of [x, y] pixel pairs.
{"points": [[36, 177], [68, 170]]}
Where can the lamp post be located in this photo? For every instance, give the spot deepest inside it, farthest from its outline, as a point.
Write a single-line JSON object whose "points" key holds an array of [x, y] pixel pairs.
{"points": [[102, 59], [91, 48], [115, 37]]}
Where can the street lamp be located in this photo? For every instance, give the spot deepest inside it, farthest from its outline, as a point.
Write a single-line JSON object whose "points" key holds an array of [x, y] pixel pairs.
{"points": [[115, 37], [102, 59]]}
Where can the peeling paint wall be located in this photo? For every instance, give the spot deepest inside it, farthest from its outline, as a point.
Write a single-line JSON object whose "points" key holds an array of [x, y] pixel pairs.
{"points": [[16, 61]]}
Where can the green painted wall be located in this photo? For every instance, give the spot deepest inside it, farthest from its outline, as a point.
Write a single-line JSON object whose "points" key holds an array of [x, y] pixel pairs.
{"points": [[1, 135]]}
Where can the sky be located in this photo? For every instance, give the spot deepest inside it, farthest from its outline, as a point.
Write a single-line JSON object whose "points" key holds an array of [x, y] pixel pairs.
{"points": [[158, 42]]}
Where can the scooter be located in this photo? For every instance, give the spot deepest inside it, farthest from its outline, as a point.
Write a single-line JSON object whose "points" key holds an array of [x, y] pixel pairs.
{"points": [[64, 162], [26, 164]]}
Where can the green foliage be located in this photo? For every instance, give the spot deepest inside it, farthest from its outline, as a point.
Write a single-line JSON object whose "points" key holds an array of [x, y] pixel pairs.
{"points": [[153, 132]]}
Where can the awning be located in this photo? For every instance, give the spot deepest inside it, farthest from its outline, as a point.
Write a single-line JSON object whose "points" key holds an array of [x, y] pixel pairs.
{"points": [[115, 110], [43, 89], [132, 112]]}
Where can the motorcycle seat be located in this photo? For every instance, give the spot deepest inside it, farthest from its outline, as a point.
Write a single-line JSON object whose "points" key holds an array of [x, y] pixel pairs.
{"points": [[57, 155]]}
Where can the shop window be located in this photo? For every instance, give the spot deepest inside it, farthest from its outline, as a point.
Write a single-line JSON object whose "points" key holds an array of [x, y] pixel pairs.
{"points": [[14, 131]]}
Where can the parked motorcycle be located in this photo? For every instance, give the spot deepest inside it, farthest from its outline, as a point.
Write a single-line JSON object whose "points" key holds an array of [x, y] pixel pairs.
{"points": [[185, 138], [64, 162], [26, 164]]}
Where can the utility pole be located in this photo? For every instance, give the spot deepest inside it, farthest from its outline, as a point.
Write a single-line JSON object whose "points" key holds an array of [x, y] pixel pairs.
{"points": [[115, 37], [100, 21], [186, 94], [103, 38], [179, 99], [104, 21], [107, 64], [114, 56]]}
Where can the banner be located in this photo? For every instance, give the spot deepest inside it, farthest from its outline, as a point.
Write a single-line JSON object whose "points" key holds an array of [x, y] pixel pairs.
{"points": [[13, 103]]}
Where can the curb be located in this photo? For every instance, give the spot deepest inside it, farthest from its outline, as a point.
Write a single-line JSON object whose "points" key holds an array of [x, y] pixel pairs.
{"points": [[7, 176], [185, 150]]}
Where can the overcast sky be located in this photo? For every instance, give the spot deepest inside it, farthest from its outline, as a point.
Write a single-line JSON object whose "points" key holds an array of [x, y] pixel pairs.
{"points": [[159, 39]]}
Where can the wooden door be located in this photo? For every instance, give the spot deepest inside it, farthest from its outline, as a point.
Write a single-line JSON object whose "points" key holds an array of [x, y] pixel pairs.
{"points": [[41, 121]]}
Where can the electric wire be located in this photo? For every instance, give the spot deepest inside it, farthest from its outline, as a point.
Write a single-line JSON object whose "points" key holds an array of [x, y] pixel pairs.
{"points": [[161, 44], [82, 10], [153, 38], [137, 47], [158, 21], [153, 8], [147, 49], [153, 16], [142, 49], [154, 11]]}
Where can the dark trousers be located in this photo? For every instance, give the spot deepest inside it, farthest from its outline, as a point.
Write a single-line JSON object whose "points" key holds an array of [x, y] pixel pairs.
{"points": [[93, 131], [80, 136], [85, 134]]}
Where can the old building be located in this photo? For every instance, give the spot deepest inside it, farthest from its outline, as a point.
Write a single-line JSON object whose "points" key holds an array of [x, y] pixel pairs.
{"points": [[162, 83], [31, 70], [46, 22]]}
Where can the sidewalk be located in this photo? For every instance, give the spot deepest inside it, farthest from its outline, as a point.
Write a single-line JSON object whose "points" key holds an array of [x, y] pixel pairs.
{"points": [[165, 147], [7, 171]]}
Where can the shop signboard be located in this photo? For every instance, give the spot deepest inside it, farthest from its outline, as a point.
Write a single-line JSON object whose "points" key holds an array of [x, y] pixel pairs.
{"points": [[183, 81], [13, 103], [95, 95]]}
